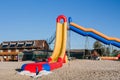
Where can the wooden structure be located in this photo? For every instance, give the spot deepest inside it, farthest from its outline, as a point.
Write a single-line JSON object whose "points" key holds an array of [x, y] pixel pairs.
{"points": [[9, 50]]}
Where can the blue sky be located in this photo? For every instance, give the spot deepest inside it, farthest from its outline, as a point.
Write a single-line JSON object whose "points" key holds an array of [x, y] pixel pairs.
{"points": [[36, 19]]}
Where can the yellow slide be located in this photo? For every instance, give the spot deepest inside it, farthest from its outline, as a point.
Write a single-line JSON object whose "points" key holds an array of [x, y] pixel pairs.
{"points": [[60, 42]]}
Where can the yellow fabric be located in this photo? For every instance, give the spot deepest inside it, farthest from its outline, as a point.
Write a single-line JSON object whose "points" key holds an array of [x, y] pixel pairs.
{"points": [[60, 42]]}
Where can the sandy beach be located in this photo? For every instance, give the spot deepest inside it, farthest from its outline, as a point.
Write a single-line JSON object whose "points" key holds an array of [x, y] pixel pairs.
{"points": [[74, 70]]}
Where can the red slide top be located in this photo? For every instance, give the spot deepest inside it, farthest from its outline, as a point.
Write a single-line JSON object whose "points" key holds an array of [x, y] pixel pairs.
{"points": [[61, 17]]}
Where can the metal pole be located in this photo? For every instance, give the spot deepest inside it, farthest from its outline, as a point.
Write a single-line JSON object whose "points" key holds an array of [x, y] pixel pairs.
{"points": [[68, 44], [86, 45], [86, 42], [110, 49]]}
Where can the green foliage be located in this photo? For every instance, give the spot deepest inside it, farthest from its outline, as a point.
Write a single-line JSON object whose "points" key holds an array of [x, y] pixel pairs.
{"points": [[97, 45], [105, 51], [115, 53]]}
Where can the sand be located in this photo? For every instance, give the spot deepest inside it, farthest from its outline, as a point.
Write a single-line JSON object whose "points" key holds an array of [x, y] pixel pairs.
{"points": [[74, 70]]}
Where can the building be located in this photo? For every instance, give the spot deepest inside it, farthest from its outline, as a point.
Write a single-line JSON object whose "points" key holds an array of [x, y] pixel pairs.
{"points": [[9, 50]]}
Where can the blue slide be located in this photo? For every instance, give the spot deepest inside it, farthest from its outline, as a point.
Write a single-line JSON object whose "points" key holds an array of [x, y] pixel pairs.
{"points": [[98, 37]]}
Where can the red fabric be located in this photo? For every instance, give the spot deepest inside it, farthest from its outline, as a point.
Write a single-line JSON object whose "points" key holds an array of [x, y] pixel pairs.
{"points": [[118, 56], [32, 66], [55, 65], [61, 17], [64, 59], [60, 59], [49, 59]]}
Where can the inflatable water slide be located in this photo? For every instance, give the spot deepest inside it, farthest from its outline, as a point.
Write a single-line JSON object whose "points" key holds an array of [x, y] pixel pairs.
{"points": [[59, 56]]}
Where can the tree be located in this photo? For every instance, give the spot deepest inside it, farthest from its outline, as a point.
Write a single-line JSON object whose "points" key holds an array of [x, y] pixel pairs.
{"points": [[103, 51], [107, 51], [115, 52], [97, 45]]}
